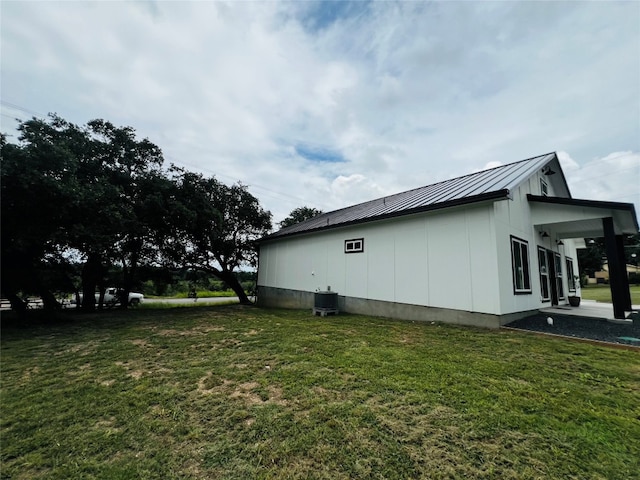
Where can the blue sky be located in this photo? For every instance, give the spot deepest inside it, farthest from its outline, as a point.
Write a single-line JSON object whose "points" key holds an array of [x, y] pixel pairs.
{"points": [[327, 104], [316, 16]]}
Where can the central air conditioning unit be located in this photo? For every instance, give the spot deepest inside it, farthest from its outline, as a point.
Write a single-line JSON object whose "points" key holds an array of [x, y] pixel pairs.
{"points": [[325, 303]]}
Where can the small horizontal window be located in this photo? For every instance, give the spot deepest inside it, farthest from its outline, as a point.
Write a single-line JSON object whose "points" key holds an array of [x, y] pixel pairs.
{"points": [[354, 245]]}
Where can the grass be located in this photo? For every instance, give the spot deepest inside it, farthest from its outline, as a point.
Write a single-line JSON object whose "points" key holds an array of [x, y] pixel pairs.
{"points": [[602, 293], [201, 294], [240, 392], [168, 305]]}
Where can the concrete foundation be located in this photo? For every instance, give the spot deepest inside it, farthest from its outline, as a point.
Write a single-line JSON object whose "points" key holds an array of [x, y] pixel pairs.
{"points": [[285, 298]]}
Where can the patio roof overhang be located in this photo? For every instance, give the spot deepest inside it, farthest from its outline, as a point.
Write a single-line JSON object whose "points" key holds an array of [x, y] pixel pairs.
{"points": [[572, 218]]}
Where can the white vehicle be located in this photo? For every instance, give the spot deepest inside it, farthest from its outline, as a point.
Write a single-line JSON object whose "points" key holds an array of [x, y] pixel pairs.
{"points": [[112, 297]]}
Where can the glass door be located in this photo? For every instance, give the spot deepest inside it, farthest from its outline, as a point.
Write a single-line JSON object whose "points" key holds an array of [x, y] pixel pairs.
{"points": [[543, 267]]}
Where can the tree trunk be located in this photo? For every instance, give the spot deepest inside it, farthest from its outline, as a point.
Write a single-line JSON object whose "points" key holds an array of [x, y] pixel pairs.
{"points": [[49, 301], [230, 279], [129, 274], [17, 304], [91, 275]]}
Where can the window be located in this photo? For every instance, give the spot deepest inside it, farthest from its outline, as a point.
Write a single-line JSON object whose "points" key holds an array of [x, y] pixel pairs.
{"points": [[545, 287], [354, 245], [571, 276], [559, 284], [544, 188], [520, 266]]}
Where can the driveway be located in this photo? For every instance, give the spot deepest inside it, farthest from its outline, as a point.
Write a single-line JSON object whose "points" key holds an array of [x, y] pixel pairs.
{"points": [[203, 300], [37, 303]]}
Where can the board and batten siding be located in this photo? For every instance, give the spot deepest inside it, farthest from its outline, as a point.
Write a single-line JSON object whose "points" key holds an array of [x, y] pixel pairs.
{"points": [[446, 259], [514, 218]]}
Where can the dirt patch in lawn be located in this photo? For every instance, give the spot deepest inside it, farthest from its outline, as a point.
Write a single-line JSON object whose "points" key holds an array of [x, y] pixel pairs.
{"points": [[251, 393], [82, 349], [202, 330], [107, 425]]}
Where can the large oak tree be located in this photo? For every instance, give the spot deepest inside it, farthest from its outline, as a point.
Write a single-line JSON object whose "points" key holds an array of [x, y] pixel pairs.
{"points": [[99, 192], [215, 228]]}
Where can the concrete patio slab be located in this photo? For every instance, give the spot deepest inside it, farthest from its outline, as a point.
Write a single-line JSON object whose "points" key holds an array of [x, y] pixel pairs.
{"points": [[587, 308]]}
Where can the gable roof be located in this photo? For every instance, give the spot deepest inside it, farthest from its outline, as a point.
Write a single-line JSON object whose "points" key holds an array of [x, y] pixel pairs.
{"points": [[492, 184]]}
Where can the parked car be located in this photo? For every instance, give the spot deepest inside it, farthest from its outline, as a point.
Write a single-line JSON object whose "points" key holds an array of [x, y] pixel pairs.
{"points": [[112, 297]]}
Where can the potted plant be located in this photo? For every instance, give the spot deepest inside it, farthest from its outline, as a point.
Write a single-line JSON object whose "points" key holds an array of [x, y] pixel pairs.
{"points": [[574, 300]]}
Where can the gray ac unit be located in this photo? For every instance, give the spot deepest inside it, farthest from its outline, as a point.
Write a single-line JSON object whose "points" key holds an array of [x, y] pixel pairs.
{"points": [[326, 300]]}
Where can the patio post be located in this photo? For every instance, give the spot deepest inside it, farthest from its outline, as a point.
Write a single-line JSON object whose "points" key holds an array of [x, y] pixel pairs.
{"points": [[617, 276]]}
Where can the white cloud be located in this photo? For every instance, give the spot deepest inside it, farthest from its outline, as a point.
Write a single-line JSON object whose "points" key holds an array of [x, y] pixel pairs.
{"points": [[408, 93], [352, 189], [489, 165], [615, 177], [567, 163]]}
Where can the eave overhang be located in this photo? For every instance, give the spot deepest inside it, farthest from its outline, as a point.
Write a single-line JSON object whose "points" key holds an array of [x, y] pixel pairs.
{"points": [[577, 218]]}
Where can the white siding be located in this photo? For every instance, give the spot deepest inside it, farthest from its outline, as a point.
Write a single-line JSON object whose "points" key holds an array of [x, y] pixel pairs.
{"points": [[449, 269], [513, 218], [336, 266], [381, 257], [443, 259], [483, 261], [457, 258], [412, 264], [516, 218]]}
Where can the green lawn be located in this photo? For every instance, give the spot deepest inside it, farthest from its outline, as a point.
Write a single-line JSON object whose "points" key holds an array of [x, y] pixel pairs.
{"points": [[239, 392], [201, 294], [602, 293]]}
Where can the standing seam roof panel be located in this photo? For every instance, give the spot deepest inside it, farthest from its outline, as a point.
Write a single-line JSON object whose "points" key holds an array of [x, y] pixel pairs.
{"points": [[472, 186]]}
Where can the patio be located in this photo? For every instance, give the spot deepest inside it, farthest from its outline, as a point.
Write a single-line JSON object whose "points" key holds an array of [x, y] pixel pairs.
{"points": [[591, 321], [591, 309]]}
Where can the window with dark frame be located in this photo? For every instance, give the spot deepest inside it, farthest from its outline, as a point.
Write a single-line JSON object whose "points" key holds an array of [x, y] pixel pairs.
{"points": [[544, 188], [520, 266], [545, 286], [571, 276], [355, 245], [559, 284]]}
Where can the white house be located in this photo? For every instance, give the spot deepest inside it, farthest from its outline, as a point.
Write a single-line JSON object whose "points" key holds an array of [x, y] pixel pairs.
{"points": [[482, 249]]}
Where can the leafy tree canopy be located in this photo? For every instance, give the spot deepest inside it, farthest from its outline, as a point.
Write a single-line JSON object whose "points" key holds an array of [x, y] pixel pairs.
{"points": [[215, 228], [592, 258], [300, 214], [100, 192]]}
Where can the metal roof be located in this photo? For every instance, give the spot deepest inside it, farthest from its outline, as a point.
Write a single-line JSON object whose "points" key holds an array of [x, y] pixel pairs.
{"points": [[492, 184]]}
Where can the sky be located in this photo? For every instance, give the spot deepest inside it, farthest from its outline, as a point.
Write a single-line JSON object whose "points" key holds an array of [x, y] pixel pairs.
{"points": [[328, 104]]}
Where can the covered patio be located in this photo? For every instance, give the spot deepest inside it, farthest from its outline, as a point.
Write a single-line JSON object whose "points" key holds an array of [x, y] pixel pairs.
{"points": [[567, 218]]}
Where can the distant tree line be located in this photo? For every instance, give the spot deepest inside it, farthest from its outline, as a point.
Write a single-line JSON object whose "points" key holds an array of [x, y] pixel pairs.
{"points": [[77, 201], [592, 258]]}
